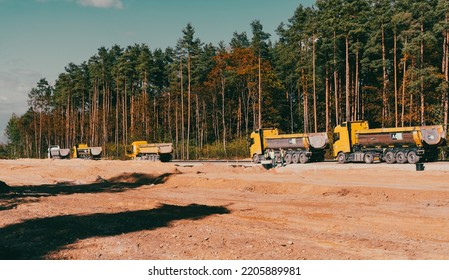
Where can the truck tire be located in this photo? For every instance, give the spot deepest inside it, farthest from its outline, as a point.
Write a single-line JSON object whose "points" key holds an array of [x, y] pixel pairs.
{"points": [[303, 158], [256, 158], [401, 158], [369, 158], [412, 157], [341, 157], [295, 158], [288, 158], [389, 157]]}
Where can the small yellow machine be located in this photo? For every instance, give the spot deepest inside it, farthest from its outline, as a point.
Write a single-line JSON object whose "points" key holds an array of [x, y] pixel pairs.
{"points": [[142, 150]]}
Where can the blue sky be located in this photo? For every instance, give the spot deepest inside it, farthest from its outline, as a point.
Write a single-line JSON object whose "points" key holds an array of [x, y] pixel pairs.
{"points": [[38, 38]]}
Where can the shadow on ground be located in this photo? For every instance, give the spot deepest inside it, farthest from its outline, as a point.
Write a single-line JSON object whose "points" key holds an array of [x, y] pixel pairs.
{"points": [[11, 196], [36, 238]]}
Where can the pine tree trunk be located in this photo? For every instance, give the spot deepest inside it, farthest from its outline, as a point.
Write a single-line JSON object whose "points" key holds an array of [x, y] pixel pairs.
{"points": [[348, 109], [299, 100], [104, 114], [239, 118], [290, 99], [315, 121], [197, 113], [385, 80], [422, 78], [223, 81], [124, 115], [306, 103], [182, 113], [156, 119], [169, 117], [446, 78], [395, 66], [337, 117], [412, 78], [67, 122], [327, 99], [260, 95], [356, 87], [74, 117], [188, 105], [246, 112], [40, 134], [132, 111], [404, 79], [177, 130], [255, 125], [117, 107]]}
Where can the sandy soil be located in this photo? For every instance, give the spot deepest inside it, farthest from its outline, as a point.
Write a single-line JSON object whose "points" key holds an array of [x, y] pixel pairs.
{"points": [[81, 209]]}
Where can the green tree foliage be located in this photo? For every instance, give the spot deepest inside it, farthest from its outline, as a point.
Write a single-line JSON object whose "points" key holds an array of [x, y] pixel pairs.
{"points": [[379, 60]]}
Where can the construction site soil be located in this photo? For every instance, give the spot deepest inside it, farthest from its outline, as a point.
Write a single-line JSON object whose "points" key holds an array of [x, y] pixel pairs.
{"points": [[97, 210]]}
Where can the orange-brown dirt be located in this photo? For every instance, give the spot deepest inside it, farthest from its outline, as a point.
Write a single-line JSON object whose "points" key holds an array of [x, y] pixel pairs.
{"points": [[81, 209]]}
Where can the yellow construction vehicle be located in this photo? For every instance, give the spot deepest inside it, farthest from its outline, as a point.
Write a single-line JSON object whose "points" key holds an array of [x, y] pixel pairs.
{"points": [[86, 152], [299, 147], [356, 142], [143, 150]]}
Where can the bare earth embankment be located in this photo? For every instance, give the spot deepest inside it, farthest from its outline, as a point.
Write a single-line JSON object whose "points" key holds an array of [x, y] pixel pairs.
{"points": [[80, 209]]}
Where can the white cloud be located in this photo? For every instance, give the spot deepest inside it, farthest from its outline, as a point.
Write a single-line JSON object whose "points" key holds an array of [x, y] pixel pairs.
{"points": [[117, 4]]}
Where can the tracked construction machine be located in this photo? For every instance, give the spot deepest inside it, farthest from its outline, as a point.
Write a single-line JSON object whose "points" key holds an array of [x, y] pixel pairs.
{"points": [[356, 142], [299, 148], [142, 150]]}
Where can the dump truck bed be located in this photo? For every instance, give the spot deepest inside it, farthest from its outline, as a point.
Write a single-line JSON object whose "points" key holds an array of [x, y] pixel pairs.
{"points": [[401, 136], [298, 141]]}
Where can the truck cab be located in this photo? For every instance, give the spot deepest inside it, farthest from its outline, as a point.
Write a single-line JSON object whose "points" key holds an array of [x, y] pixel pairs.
{"points": [[344, 136], [258, 143], [132, 151]]}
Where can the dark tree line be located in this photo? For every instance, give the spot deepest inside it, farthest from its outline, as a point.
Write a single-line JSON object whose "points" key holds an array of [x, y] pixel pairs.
{"points": [[380, 60]]}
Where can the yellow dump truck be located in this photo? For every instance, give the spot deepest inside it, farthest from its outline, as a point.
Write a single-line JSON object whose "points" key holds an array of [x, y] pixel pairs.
{"points": [[86, 152], [150, 151], [356, 142], [299, 148]]}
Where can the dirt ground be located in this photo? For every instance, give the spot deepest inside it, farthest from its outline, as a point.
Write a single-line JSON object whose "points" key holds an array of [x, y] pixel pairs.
{"points": [[89, 210]]}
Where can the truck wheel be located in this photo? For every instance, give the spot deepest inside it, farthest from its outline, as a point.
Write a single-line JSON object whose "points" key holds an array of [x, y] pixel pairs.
{"points": [[295, 158], [369, 158], [401, 158], [256, 158], [341, 158], [303, 158], [288, 158], [389, 157], [412, 157]]}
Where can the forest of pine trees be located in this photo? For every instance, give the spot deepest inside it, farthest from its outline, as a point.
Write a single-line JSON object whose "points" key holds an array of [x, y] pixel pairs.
{"points": [[384, 61]]}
